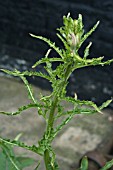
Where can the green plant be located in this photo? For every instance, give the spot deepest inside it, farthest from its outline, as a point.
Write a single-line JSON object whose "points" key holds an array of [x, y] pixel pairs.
{"points": [[50, 107]]}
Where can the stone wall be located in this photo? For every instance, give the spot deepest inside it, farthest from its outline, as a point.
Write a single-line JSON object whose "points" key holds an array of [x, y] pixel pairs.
{"points": [[19, 50]]}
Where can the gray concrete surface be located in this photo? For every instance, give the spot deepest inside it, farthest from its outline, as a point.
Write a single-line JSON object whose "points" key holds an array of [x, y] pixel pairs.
{"points": [[82, 134]]}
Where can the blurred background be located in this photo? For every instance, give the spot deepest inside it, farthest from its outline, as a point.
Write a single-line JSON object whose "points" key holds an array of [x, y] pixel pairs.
{"points": [[42, 17]]}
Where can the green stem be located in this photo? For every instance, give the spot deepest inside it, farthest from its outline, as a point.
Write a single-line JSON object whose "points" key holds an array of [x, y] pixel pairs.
{"points": [[46, 159], [52, 112], [55, 101]]}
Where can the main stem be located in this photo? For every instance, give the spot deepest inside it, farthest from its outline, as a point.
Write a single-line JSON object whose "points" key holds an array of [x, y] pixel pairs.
{"points": [[55, 101]]}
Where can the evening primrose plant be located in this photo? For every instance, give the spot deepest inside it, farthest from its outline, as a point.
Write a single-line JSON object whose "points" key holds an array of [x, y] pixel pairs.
{"points": [[50, 107]]}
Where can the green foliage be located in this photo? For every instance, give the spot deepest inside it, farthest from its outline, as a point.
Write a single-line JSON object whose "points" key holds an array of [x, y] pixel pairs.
{"points": [[108, 165], [50, 107], [8, 159], [84, 164]]}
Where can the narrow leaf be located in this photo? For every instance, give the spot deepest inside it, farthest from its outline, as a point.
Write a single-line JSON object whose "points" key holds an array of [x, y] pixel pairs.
{"points": [[105, 104], [44, 60], [51, 44], [86, 52], [20, 144], [88, 34], [82, 102], [22, 108]]}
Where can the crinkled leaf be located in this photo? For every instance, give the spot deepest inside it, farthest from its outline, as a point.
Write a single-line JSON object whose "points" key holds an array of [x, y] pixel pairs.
{"points": [[51, 44], [82, 102], [44, 60], [20, 144], [88, 34], [22, 108]]}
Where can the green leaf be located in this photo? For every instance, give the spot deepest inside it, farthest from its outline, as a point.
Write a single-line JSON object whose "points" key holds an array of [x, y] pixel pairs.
{"points": [[44, 60], [22, 108], [64, 41], [25, 161], [2, 161], [86, 52], [83, 102], [108, 165], [9, 161], [88, 34], [51, 44], [84, 163], [105, 104], [29, 89], [63, 123], [20, 144]]}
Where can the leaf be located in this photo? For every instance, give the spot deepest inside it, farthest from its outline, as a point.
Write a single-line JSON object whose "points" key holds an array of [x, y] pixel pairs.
{"points": [[84, 163], [108, 165], [25, 161], [86, 52], [88, 34], [29, 89], [51, 44], [83, 102], [20, 144], [10, 161], [35, 73], [63, 123], [64, 41], [2, 161], [44, 60], [22, 108], [77, 110], [105, 104], [14, 73]]}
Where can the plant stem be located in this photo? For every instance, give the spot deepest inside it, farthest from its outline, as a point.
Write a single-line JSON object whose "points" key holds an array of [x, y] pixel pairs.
{"points": [[46, 159], [52, 111], [50, 124], [55, 100]]}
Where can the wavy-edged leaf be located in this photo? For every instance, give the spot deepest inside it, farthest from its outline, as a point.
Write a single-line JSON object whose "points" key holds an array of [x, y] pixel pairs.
{"points": [[29, 89], [14, 73], [28, 86], [51, 44], [92, 62], [64, 41], [44, 60], [20, 144], [106, 62], [35, 73], [83, 102], [63, 123], [85, 111], [88, 34], [22, 108]]}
